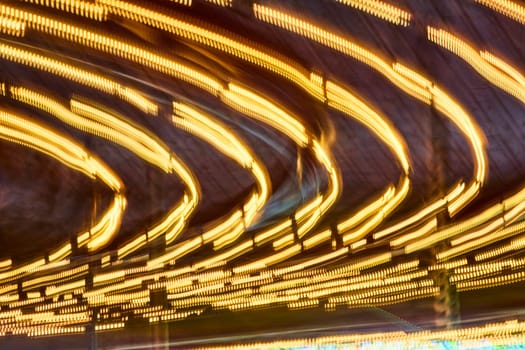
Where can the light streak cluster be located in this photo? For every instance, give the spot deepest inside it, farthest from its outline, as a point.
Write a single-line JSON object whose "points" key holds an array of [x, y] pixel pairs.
{"points": [[52, 295], [41, 138]]}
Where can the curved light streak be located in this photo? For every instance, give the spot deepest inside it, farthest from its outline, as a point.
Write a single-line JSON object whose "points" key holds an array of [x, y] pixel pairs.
{"points": [[318, 150], [114, 46], [119, 48], [381, 10], [362, 231], [36, 136], [508, 210], [12, 26], [78, 7], [228, 143], [509, 79], [78, 75], [310, 82], [492, 68], [409, 81]]}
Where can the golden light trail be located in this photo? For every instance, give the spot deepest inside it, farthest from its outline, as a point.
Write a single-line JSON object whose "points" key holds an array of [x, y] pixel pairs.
{"points": [[410, 82], [223, 3], [508, 210], [228, 231], [282, 67], [381, 10], [224, 227], [239, 249], [97, 120], [313, 83], [115, 47], [273, 232], [501, 74], [78, 75], [348, 223], [341, 99], [5, 264], [492, 68], [77, 7], [283, 241], [486, 239], [421, 215], [515, 244], [505, 67], [12, 27], [181, 2], [42, 139], [424, 230], [269, 260], [146, 145], [363, 230], [455, 229], [317, 239], [98, 41], [256, 106], [228, 143], [60, 253]]}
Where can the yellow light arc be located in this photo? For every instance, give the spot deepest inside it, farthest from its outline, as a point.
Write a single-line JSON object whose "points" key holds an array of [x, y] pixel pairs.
{"points": [[43, 139], [227, 142]]}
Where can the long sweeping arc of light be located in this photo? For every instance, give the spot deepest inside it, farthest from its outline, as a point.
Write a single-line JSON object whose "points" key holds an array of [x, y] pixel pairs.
{"points": [[43, 139]]}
